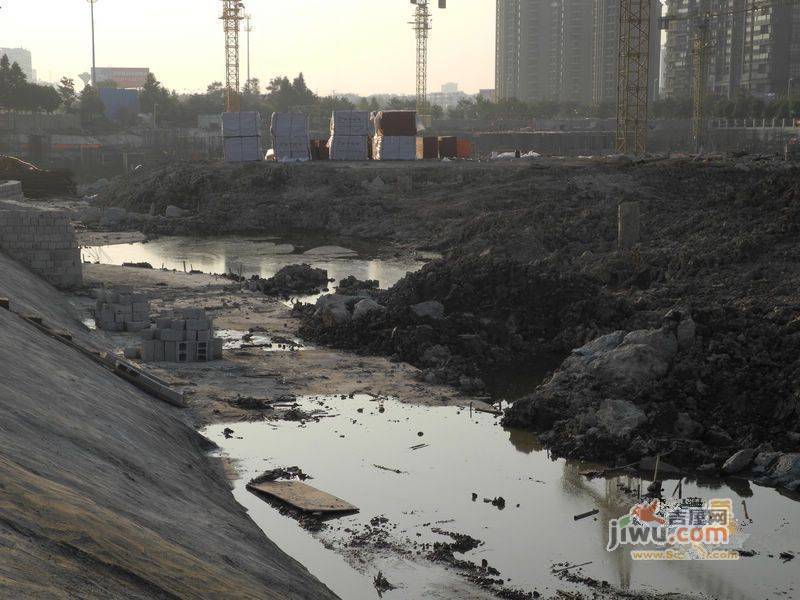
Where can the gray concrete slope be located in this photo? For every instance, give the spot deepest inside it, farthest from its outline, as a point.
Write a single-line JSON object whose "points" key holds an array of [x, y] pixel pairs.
{"points": [[104, 491]]}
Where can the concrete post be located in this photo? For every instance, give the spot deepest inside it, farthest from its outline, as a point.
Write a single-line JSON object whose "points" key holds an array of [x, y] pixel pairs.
{"points": [[628, 224]]}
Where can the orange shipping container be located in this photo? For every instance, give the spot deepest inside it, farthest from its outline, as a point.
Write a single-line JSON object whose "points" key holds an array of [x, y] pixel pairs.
{"points": [[464, 148]]}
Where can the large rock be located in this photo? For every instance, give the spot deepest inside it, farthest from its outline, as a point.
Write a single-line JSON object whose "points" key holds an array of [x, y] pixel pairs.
{"points": [[630, 364], [366, 307], [739, 461], [664, 343], [619, 417], [786, 468], [334, 309], [428, 310]]}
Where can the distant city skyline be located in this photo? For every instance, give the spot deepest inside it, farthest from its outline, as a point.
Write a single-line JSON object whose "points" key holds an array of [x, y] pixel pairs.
{"points": [[343, 46]]}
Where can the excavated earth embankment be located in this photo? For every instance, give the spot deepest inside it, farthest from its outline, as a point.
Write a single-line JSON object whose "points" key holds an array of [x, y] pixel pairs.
{"points": [[107, 492]]}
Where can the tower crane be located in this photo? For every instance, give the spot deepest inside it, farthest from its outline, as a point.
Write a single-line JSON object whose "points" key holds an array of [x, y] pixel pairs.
{"points": [[633, 83], [422, 26], [232, 16], [633, 67]]}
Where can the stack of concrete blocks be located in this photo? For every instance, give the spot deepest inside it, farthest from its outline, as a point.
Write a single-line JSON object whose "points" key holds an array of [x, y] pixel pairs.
{"points": [[290, 140], [349, 132], [121, 309], [187, 336], [43, 240], [241, 132], [395, 135]]}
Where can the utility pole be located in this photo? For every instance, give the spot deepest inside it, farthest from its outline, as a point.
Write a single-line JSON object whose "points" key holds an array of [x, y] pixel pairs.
{"points": [[94, 64], [633, 84], [248, 28]]}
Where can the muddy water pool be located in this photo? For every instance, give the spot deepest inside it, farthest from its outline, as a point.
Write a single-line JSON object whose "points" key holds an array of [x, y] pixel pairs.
{"points": [[263, 256], [471, 454]]}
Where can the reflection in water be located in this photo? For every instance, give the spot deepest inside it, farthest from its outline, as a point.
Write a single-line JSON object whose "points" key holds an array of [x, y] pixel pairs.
{"points": [[466, 456], [263, 257]]}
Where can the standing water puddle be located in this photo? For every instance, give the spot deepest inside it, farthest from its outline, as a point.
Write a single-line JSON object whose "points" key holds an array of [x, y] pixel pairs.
{"points": [[252, 256], [435, 489]]}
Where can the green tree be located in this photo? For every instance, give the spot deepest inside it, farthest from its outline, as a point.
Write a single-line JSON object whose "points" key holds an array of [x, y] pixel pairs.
{"points": [[66, 89], [92, 108]]}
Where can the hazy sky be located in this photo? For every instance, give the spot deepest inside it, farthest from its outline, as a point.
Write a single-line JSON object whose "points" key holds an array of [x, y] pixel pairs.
{"points": [[360, 46]]}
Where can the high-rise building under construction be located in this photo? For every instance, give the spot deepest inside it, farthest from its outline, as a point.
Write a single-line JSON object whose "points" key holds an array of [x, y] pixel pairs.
{"points": [[753, 47], [564, 50], [544, 50], [605, 49]]}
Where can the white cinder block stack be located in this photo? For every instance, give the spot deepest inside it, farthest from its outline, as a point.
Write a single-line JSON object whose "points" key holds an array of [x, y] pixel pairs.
{"points": [[395, 148], [395, 135], [187, 336], [43, 240], [242, 135], [349, 133], [121, 309], [290, 136]]}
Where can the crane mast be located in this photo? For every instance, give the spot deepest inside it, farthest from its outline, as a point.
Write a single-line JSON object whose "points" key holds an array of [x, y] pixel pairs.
{"points": [[232, 11]]}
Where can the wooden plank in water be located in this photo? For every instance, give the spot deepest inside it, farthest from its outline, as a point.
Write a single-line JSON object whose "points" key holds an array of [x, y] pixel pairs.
{"points": [[303, 496]]}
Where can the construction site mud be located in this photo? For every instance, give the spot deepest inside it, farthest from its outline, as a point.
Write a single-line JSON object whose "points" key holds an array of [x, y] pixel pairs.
{"points": [[532, 271], [501, 293]]}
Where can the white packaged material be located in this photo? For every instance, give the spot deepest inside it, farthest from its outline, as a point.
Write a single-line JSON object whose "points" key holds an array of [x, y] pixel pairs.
{"points": [[348, 147], [387, 147], [241, 124], [290, 136], [243, 149], [231, 124], [251, 149], [350, 122], [288, 123]]}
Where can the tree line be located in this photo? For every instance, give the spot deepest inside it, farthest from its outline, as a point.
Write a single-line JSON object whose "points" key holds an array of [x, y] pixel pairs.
{"points": [[282, 94], [16, 93]]}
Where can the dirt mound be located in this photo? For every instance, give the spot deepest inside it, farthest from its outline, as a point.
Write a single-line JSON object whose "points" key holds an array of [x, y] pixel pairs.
{"points": [[695, 390], [463, 319], [293, 279]]}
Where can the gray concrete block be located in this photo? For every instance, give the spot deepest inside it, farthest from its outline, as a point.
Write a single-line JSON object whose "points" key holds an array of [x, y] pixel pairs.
{"points": [[173, 335], [204, 336], [177, 324], [148, 334], [191, 351], [216, 348], [159, 351], [171, 351], [136, 325], [148, 350], [163, 322]]}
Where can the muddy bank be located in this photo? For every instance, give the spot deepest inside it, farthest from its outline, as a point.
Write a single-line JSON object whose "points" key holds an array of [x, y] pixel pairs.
{"points": [[462, 320], [107, 491]]}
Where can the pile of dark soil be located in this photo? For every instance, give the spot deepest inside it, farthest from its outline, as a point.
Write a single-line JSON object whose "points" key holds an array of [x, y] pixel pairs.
{"points": [[294, 279], [496, 314], [352, 286], [737, 386]]}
